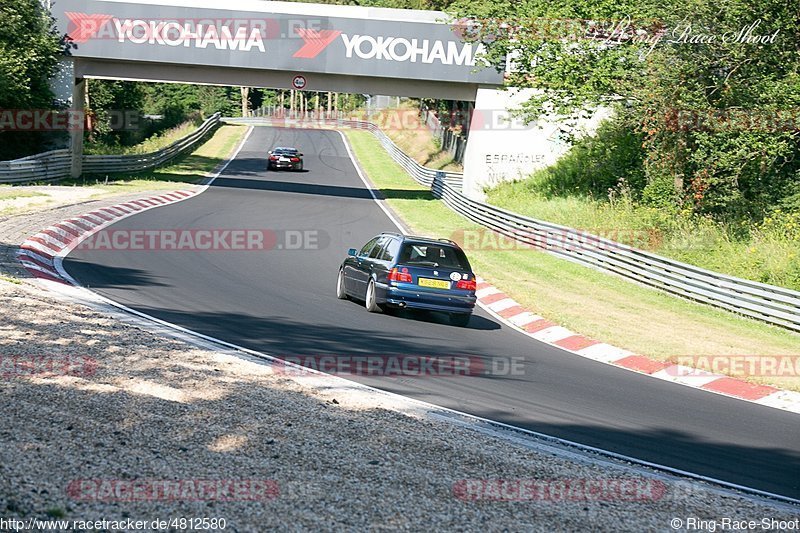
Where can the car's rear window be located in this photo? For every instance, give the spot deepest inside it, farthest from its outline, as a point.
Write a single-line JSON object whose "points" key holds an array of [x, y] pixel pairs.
{"points": [[435, 255]]}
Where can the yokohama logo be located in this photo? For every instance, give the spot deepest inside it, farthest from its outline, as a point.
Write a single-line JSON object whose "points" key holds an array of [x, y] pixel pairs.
{"points": [[413, 50], [314, 41], [234, 34], [84, 26], [387, 48]]}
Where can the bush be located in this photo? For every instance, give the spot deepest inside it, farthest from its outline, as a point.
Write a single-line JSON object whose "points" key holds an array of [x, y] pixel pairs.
{"points": [[596, 164], [588, 189]]}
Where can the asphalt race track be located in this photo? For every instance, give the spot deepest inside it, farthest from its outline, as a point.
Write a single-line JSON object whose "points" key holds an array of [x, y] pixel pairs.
{"points": [[283, 302]]}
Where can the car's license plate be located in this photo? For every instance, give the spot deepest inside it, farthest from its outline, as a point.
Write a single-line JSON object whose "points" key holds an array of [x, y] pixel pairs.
{"points": [[433, 283]]}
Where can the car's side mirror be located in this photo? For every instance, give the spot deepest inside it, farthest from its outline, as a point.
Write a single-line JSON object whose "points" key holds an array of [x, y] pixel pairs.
{"points": [[301, 155], [352, 252]]}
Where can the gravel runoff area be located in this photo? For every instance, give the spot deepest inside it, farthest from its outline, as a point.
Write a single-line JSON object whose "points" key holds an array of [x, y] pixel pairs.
{"points": [[106, 419]]}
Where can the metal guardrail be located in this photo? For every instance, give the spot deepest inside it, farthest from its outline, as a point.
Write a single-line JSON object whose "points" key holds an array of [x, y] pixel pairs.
{"points": [[55, 164], [768, 303], [50, 165], [453, 143]]}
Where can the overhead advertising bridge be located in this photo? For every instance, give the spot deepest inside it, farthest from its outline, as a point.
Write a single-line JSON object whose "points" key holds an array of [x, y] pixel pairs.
{"points": [[267, 44], [280, 45]]}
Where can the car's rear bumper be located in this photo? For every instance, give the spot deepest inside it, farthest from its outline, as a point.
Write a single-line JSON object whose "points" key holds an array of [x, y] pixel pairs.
{"points": [[289, 166], [447, 302]]}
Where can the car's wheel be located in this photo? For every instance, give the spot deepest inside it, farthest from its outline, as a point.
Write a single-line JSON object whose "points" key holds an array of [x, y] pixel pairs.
{"points": [[299, 166], [371, 299], [340, 293], [460, 319]]}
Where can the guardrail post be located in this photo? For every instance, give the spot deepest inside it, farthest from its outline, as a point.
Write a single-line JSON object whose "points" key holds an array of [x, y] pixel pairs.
{"points": [[76, 132], [437, 184]]}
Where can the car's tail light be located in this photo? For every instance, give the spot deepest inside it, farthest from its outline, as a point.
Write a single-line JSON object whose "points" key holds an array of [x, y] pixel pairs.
{"points": [[295, 160], [273, 158], [397, 275], [466, 285]]}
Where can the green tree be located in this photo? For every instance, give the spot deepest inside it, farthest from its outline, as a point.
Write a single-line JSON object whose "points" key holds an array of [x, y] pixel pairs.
{"points": [[29, 53], [114, 107], [734, 159], [177, 101], [656, 76]]}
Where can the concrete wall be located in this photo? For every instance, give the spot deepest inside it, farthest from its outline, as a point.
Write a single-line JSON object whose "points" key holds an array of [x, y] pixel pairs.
{"points": [[501, 148]]}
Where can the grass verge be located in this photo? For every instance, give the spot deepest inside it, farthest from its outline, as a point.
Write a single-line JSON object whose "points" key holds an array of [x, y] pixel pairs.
{"points": [[768, 252], [417, 141], [153, 143], [9, 192], [190, 169], [593, 303]]}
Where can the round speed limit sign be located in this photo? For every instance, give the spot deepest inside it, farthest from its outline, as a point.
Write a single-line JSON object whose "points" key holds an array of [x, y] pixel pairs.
{"points": [[299, 82]]}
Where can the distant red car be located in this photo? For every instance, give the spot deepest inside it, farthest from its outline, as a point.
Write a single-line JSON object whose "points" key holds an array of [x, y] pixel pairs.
{"points": [[283, 157]]}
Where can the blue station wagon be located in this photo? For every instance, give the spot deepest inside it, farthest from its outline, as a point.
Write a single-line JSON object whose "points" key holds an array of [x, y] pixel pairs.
{"points": [[402, 271]]}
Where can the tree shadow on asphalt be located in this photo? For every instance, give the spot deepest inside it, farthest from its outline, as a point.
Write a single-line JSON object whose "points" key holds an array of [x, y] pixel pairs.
{"points": [[476, 322], [777, 468], [293, 187], [248, 166], [111, 277], [279, 336], [237, 177]]}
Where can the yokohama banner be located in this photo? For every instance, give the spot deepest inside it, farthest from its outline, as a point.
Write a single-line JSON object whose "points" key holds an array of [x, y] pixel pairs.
{"points": [[365, 42]]}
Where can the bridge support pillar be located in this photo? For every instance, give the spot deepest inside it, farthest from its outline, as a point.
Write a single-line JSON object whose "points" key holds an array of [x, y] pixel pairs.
{"points": [[76, 132]]}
